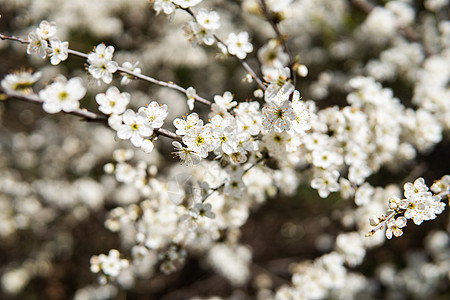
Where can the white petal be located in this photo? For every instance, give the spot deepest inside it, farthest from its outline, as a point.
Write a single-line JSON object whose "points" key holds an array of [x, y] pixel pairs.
{"points": [[136, 139], [129, 116], [51, 107], [147, 146]]}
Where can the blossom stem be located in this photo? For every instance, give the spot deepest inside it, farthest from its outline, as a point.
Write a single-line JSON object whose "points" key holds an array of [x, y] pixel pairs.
{"points": [[120, 69], [444, 194], [163, 83], [84, 113], [14, 38], [243, 63], [281, 38], [382, 224], [33, 98], [223, 184], [246, 66], [147, 78]]}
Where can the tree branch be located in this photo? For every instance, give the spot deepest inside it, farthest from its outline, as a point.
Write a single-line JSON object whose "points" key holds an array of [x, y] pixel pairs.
{"points": [[120, 69], [89, 116], [243, 63], [281, 38]]}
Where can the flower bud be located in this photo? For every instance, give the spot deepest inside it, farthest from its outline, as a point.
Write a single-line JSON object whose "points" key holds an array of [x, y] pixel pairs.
{"points": [[393, 205], [108, 168], [374, 220]]}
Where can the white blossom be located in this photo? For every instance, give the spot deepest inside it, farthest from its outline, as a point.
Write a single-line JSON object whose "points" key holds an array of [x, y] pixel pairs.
{"points": [[209, 20], [63, 95], [37, 45], [156, 113], [110, 264], [20, 81], [59, 51], [278, 117], [46, 30], [136, 127], [113, 101], [101, 66], [238, 44]]}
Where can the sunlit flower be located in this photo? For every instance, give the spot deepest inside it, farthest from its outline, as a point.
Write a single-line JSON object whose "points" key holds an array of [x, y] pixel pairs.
{"points": [[101, 66], [209, 20], [278, 117], [63, 95], [238, 44], [189, 157], [46, 30], [59, 51], [20, 81], [37, 45], [113, 101], [156, 113], [394, 227], [135, 127]]}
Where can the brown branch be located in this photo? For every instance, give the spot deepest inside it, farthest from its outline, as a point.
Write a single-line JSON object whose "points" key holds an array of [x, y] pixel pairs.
{"points": [[13, 38], [34, 98], [120, 69], [280, 37], [382, 224], [243, 63], [89, 116]]}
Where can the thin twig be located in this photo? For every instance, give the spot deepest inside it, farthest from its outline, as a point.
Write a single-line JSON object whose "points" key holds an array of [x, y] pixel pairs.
{"points": [[243, 63], [34, 98], [223, 184], [13, 38], [382, 224], [163, 83], [120, 69], [281, 38], [84, 113]]}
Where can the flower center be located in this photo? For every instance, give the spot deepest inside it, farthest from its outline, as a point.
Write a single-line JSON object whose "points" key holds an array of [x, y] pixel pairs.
{"points": [[63, 95], [200, 140]]}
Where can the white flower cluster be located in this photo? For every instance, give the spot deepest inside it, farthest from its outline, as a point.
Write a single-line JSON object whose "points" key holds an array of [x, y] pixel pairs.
{"points": [[385, 77], [139, 126], [232, 136], [20, 81], [44, 40], [419, 204], [327, 277], [202, 29], [62, 95], [101, 66], [110, 265], [48, 204], [424, 270]]}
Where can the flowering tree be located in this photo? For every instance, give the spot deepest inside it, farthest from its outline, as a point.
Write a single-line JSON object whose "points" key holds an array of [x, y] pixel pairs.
{"points": [[302, 133]]}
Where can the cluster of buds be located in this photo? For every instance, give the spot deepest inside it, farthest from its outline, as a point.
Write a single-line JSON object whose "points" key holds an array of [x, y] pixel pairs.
{"points": [[419, 204]]}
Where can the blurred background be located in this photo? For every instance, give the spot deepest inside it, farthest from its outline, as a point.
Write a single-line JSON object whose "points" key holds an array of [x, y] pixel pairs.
{"points": [[55, 196]]}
